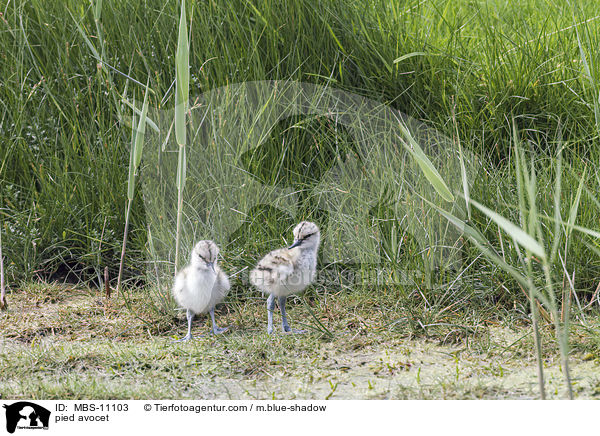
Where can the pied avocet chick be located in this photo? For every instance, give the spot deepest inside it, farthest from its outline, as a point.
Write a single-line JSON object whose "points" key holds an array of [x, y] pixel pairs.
{"points": [[201, 285], [288, 271]]}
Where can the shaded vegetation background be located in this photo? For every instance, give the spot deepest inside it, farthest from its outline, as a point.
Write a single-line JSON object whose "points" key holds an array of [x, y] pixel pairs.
{"points": [[476, 66]]}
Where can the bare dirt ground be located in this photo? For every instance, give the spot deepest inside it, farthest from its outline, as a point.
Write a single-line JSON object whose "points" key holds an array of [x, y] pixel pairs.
{"points": [[69, 344]]}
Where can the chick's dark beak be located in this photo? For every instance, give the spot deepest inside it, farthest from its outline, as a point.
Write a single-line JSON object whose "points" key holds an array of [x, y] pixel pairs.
{"points": [[212, 265], [295, 244]]}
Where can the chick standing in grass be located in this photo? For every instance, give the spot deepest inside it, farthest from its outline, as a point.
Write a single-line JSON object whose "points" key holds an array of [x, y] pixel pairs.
{"points": [[201, 285], [288, 271]]}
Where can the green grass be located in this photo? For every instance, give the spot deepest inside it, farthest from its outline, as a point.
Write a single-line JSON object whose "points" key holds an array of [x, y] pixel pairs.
{"points": [[64, 151]]}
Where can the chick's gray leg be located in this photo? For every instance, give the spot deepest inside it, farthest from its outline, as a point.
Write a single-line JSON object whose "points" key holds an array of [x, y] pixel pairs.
{"points": [[284, 324], [216, 330], [270, 309], [190, 317]]}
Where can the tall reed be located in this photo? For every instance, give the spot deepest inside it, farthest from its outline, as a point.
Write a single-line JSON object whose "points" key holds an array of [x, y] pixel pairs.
{"points": [[530, 236], [137, 145], [182, 95]]}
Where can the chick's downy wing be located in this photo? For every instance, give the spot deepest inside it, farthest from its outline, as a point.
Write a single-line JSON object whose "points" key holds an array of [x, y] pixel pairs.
{"points": [[278, 264]]}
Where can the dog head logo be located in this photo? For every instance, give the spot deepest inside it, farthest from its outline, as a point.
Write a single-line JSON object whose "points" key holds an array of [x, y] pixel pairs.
{"points": [[26, 415]]}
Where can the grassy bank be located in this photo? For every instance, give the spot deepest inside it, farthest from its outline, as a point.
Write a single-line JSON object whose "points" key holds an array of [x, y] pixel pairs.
{"points": [[515, 85]]}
